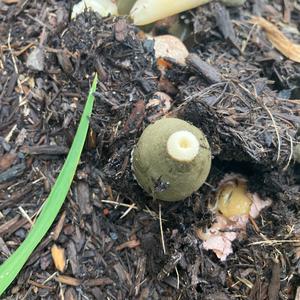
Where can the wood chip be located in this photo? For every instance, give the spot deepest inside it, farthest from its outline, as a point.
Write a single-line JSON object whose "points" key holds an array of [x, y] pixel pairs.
{"points": [[65, 62], [210, 73], [13, 172], [123, 275], [45, 150], [39, 285], [59, 258], [121, 30], [98, 281], [3, 248], [7, 160], [278, 39], [70, 294], [297, 294], [128, 244], [224, 23], [68, 280], [59, 226], [12, 225], [274, 286], [136, 117], [83, 198], [73, 258]]}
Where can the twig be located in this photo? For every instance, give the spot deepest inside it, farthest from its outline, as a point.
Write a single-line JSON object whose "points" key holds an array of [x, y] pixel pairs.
{"points": [[291, 153], [132, 206], [248, 38], [255, 97], [25, 215], [15, 67], [50, 277], [120, 204], [128, 210], [273, 242], [178, 279], [276, 130], [161, 230]]}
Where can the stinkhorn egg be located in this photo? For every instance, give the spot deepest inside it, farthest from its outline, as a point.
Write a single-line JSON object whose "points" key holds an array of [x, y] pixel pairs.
{"points": [[171, 160], [233, 198]]}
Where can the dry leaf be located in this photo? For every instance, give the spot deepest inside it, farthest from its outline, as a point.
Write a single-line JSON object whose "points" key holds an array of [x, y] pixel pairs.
{"points": [[278, 39], [58, 256]]}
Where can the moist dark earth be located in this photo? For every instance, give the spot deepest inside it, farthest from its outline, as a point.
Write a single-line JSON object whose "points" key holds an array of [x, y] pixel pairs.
{"points": [[236, 87]]}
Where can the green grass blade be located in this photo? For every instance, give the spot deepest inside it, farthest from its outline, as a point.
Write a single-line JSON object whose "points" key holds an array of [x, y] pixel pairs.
{"points": [[12, 266]]}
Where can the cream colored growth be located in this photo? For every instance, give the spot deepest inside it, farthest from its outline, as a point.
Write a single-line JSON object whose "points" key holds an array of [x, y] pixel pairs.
{"points": [[147, 11], [103, 8], [183, 146]]}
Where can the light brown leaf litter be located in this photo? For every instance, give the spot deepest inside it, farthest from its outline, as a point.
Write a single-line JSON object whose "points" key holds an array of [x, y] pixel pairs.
{"points": [[278, 39]]}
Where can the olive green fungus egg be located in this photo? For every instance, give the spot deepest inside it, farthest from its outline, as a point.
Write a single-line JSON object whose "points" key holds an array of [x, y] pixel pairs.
{"points": [[171, 160]]}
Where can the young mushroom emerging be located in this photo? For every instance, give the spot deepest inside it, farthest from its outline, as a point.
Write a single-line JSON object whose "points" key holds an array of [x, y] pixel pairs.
{"points": [[171, 160]]}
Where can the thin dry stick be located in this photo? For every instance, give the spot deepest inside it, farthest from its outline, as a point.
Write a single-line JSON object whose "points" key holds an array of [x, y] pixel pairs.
{"points": [[131, 206], [177, 275], [161, 230], [248, 38], [120, 204], [255, 97], [273, 242], [127, 211], [246, 282], [10, 133], [15, 67], [25, 215], [291, 153], [61, 291], [276, 130], [50, 277]]}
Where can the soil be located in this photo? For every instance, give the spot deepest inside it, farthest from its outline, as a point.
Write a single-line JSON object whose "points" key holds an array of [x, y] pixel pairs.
{"points": [[236, 87]]}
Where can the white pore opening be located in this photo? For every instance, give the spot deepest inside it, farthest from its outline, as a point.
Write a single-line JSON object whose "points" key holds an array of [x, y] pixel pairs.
{"points": [[183, 146]]}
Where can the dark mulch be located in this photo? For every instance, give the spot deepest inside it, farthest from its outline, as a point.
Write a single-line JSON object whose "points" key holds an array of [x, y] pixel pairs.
{"points": [[236, 87]]}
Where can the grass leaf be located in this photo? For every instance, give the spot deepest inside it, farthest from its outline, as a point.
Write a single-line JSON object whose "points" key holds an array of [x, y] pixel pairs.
{"points": [[12, 266]]}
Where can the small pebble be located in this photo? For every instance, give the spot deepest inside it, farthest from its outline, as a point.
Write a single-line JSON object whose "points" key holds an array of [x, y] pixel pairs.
{"points": [[113, 236], [35, 60]]}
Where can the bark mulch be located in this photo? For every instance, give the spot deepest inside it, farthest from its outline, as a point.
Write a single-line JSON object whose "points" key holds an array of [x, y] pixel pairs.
{"points": [[235, 86]]}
